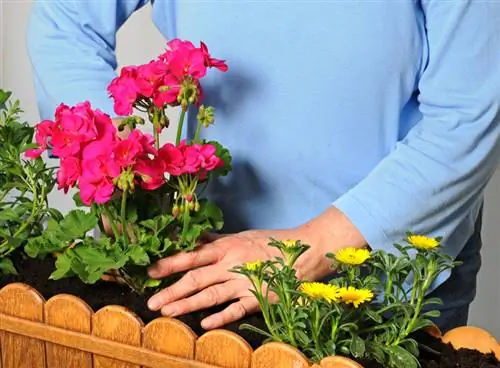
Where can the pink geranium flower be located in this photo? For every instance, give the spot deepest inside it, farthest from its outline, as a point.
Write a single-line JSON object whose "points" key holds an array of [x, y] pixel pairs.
{"points": [[151, 172], [43, 131], [69, 173], [124, 91], [210, 61], [77, 120], [126, 152], [167, 91], [95, 191], [149, 77], [172, 158], [64, 143], [188, 62]]}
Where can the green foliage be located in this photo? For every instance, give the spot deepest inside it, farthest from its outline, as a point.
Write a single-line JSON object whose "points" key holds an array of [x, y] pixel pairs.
{"points": [[24, 184], [159, 223], [324, 319]]}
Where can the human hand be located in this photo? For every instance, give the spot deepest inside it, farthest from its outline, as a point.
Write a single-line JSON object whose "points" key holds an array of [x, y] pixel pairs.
{"points": [[209, 282]]}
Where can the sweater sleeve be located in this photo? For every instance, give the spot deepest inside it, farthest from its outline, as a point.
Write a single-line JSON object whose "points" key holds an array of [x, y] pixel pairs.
{"points": [[432, 182], [71, 45]]}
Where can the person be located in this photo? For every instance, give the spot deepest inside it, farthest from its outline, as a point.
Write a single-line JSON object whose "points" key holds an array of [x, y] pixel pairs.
{"points": [[350, 123]]}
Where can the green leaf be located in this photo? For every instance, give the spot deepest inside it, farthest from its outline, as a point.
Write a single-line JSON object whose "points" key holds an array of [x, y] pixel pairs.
{"points": [[78, 200], [138, 255], [41, 246], [7, 267], [357, 346], [429, 301], [4, 96], [410, 345], [63, 267], [77, 223], [152, 283], [8, 214], [421, 323], [400, 358], [158, 223], [432, 314], [373, 315], [248, 327], [55, 214], [211, 213]]}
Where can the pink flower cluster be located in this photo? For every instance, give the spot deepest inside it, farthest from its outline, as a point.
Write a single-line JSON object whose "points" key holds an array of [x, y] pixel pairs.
{"points": [[196, 159], [92, 155], [161, 79]]}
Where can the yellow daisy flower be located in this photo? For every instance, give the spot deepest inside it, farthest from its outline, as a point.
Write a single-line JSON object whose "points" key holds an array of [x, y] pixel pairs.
{"points": [[422, 242], [289, 244], [352, 256], [351, 295], [319, 290], [253, 266]]}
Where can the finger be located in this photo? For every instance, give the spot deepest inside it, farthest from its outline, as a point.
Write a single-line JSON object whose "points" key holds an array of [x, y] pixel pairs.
{"points": [[184, 261], [234, 312], [189, 284], [211, 237], [207, 298]]}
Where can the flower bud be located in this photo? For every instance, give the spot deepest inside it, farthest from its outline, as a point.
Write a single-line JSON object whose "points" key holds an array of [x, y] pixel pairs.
{"points": [[188, 197], [196, 207], [181, 208], [175, 210], [191, 205], [206, 116]]}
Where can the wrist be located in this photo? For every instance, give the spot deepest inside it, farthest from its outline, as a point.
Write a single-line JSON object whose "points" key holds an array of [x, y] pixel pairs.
{"points": [[327, 233]]}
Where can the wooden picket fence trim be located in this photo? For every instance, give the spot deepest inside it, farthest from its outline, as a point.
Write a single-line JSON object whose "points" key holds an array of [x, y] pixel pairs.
{"points": [[65, 332]]}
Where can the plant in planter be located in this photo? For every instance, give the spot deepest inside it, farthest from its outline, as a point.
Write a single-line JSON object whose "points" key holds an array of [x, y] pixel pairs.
{"points": [[24, 185], [149, 194], [366, 312]]}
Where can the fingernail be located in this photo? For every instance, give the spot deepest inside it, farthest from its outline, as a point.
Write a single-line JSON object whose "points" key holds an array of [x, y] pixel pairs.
{"points": [[154, 303], [154, 271], [169, 311], [206, 325]]}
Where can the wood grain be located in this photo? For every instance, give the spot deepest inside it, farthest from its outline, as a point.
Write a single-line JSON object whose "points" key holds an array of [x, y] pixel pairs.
{"points": [[118, 324], [224, 349], [71, 313], [278, 355], [19, 351], [96, 345], [169, 336]]}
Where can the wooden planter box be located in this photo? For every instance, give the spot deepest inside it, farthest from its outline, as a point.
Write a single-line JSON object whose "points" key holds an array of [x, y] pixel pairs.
{"points": [[63, 332]]}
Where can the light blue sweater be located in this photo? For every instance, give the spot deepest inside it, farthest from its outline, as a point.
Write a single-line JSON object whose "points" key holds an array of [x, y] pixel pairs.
{"points": [[388, 109]]}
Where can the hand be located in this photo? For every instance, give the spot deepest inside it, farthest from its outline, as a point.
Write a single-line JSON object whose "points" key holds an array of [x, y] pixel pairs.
{"points": [[209, 281]]}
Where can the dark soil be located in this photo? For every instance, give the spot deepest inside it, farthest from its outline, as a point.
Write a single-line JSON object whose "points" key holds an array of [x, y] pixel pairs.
{"points": [[448, 357], [434, 354]]}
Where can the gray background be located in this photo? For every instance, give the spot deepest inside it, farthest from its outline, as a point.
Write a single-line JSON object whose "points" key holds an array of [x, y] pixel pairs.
{"points": [[139, 41]]}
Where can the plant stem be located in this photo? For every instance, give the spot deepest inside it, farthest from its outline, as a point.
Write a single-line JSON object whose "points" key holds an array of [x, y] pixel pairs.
{"points": [[179, 127], [111, 220], [123, 218], [388, 287], [264, 306], [197, 134], [316, 328], [156, 125]]}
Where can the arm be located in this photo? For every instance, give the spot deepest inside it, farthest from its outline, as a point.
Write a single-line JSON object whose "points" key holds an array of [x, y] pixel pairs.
{"points": [[433, 181], [71, 45]]}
